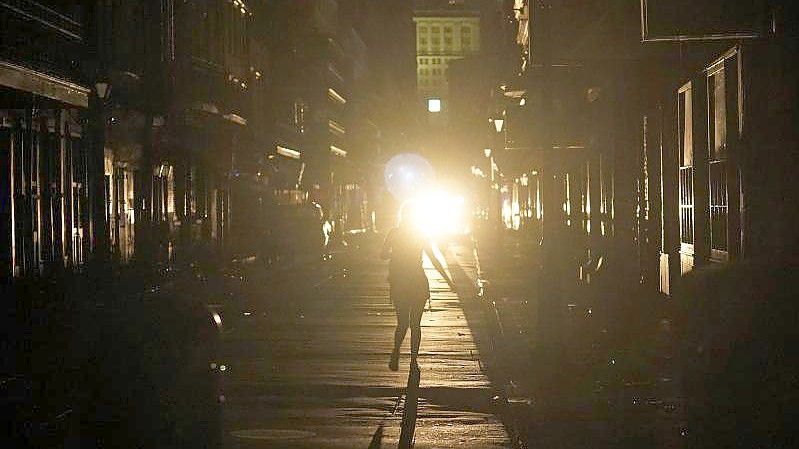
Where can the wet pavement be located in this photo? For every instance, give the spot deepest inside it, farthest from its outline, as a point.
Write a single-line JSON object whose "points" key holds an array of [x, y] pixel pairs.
{"points": [[307, 363]]}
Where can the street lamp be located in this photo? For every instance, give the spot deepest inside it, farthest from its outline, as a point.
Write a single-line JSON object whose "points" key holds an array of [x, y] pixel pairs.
{"points": [[498, 124]]}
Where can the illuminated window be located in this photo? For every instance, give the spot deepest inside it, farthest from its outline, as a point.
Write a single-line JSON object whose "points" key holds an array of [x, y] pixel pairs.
{"points": [[717, 161], [685, 120], [434, 104]]}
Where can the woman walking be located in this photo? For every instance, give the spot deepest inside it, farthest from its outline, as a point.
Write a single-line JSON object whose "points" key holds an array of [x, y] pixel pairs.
{"points": [[409, 288]]}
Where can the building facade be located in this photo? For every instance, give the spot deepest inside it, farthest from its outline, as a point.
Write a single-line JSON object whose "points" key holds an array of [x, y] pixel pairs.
{"points": [[444, 33], [49, 162], [719, 107]]}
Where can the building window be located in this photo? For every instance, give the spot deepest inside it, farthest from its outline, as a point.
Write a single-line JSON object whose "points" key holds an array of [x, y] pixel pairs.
{"points": [[423, 29], [434, 104], [435, 30], [448, 40], [436, 41], [685, 119], [717, 160], [448, 30], [422, 41]]}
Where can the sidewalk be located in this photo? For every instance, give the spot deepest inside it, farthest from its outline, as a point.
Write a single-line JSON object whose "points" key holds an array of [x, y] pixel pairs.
{"points": [[312, 372], [612, 396]]}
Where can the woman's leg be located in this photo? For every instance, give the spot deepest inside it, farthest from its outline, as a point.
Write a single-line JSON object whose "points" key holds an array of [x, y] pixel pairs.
{"points": [[402, 310], [416, 329], [402, 327]]}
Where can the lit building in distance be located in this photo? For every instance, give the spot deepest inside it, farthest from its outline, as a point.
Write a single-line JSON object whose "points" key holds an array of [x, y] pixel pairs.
{"points": [[445, 31]]}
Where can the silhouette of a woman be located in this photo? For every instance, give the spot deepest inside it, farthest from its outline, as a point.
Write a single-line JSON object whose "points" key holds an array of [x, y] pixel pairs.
{"points": [[408, 283]]}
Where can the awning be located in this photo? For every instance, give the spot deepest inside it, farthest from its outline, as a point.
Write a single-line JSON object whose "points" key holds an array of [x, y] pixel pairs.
{"points": [[28, 80]]}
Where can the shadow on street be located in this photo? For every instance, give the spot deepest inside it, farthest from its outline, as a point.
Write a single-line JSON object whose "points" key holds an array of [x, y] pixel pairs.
{"points": [[409, 411]]}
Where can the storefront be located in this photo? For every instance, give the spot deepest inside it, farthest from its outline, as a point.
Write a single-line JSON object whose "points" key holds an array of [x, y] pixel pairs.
{"points": [[44, 157]]}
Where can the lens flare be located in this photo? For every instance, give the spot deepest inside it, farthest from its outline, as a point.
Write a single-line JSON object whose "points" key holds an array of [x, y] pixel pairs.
{"points": [[407, 175]]}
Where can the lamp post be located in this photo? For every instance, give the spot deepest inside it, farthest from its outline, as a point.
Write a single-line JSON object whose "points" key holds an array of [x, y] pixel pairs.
{"points": [[489, 181], [98, 189], [487, 152], [495, 197]]}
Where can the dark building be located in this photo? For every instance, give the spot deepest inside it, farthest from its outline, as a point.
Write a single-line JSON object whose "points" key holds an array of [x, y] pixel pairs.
{"points": [[329, 106], [571, 127], [202, 148], [212, 113], [48, 161], [176, 82], [663, 136], [718, 205], [720, 139]]}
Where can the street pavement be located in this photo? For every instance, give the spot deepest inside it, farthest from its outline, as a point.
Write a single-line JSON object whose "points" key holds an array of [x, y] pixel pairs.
{"points": [[306, 365]]}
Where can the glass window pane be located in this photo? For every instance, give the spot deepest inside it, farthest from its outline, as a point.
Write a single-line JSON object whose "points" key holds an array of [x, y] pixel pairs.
{"points": [[718, 116], [687, 129]]}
